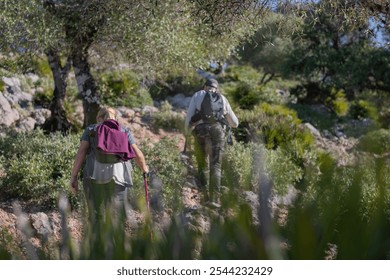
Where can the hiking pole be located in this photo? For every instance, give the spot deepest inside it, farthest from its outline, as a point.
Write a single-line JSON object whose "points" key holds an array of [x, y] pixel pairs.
{"points": [[147, 201], [146, 192], [185, 145]]}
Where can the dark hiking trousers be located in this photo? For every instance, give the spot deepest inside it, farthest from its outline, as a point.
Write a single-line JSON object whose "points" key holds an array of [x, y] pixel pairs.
{"points": [[104, 197], [106, 208], [209, 151]]}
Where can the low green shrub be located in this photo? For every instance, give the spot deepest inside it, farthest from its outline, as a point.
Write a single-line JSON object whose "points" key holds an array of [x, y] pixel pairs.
{"points": [[347, 206], [276, 125], [163, 158], [319, 116], [246, 95], [38, 166], [337, 102], [239, 168], [361, 109], [43, 98], [284, 172], [243, 73], [377, 142], [23, 63], [42, 68], [168, 119], [122, 88], [243, 84], [314, 93], [185, 83]]}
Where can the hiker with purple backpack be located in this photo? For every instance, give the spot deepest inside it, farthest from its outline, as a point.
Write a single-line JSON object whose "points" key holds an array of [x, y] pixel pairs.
{"points": [[209, 116], [106, 148]]}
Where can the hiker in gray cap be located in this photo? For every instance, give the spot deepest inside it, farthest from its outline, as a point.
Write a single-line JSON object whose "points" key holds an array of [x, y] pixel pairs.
{"points": [[209, 115]]}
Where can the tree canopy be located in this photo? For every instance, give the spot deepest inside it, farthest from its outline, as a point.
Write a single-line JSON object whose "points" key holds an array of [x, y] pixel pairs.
{"points": [[154, 37]]}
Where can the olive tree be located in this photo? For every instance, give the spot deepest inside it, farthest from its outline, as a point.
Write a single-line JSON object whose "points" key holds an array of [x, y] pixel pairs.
{"points": [[334, 45], [151, 35]]}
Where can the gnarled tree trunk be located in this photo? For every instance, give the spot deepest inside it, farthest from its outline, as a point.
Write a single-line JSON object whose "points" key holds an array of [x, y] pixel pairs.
{"points": [[86, 84], [58, 120]]}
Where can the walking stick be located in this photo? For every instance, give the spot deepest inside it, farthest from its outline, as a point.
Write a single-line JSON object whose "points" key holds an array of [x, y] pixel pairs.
{"points": [[146, 192], [147, 202]]}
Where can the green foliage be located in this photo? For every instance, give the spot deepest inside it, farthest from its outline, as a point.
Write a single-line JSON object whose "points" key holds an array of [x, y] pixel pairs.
{"points": [[246, 96], [314, 93], [335, 54], [244, 84], [43, 98], [348, 206], [163, 158], [319, 116], [2, 84], [168, 119], [269, 47], [290, 144], [42, 68], [17, 63], [275, 124], [239, 168], [361, 109], [337, 102], [37, 166], [122, 88], [185, 82], [380, 100], [243, 73], [284, 172], [377, 142]]}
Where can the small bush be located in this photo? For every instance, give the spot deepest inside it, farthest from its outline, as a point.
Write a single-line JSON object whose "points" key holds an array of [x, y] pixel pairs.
{"points": [[377, 142], [38, 166], [242, 73], [43, 98], [122, 88], [42, 68], [238, 165], [283, 171], [361, 109], [314, 93], [18, 63], [163, 158], [243, 84], [337, 102], [319, 116], [168, 119], [239, 168], [174, 84], [276, 125], [246, 96]]}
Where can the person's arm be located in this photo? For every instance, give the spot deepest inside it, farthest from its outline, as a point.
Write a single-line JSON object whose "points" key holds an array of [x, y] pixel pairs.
{"points": [[140, 159], [230, 116], [78, 163], [190, 112]]}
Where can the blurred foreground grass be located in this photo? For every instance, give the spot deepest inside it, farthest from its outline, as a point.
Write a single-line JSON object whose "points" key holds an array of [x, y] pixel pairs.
{"points": [[344, 214]]}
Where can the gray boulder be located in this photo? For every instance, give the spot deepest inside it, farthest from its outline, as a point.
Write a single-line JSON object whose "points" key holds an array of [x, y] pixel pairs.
{"points": [[8, 115]]}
